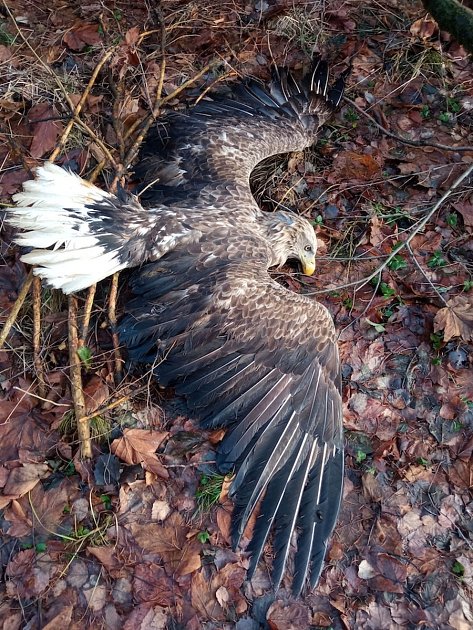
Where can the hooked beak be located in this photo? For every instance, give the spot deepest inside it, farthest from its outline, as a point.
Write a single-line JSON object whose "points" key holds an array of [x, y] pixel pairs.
{"points": [[308, 264]]}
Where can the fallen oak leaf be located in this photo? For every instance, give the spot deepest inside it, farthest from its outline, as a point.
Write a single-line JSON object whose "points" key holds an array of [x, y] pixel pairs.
{"points": [[138, 446], [456, 319]]}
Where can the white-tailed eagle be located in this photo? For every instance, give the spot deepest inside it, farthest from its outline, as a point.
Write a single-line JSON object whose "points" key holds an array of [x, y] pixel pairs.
{"points": [[247, 353]]}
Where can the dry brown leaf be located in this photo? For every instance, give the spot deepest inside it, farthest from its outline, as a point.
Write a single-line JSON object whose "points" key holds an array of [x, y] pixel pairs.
{"points": [[461, 474], [81, 36], [20, 523], [5, 53], [170, 542], [46, 131], [28, 575], [424, 27], [61, 620], [190, 560], [138, 446], [108, 558], [24, 478], [465, 208], [350, 165], [222, 596], [96, 392], [23, 429], [150, 584], [388, 574], [224, 522], [288, 616], [204, 592], [144, 617], [456, 319]]}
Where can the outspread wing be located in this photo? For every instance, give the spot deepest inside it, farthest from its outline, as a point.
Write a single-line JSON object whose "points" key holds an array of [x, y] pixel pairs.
{"points": [[256, 358], [201, 168], [220, 141]]}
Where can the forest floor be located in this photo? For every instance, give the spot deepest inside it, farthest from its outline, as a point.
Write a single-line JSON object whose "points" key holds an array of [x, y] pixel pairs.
{"points": [[138, 536]]}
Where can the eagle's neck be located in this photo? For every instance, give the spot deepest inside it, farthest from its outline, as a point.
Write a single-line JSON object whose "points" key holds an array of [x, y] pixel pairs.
{"points": [[279, 234]]}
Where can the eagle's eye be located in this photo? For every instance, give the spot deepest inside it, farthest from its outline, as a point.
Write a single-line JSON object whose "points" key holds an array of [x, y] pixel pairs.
{"points": [[308, 248]]}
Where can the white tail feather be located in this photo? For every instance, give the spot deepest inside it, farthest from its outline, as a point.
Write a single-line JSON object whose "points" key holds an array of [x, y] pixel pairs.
{"points": [[52, 209]]}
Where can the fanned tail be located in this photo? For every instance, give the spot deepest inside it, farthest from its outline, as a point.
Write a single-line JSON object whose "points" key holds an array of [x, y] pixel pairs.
{"points": [[79, 233]]}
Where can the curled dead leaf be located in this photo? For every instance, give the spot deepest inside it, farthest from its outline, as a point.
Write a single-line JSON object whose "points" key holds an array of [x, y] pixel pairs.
{"points": [[456, 319], [138, 446], [424, 27]]}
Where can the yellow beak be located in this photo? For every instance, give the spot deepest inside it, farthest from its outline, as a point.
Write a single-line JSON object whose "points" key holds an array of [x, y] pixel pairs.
{"points": [[308, 265]]}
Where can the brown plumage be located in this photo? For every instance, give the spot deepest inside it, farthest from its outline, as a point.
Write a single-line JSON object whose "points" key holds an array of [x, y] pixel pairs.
{"points": [[246, 353]]}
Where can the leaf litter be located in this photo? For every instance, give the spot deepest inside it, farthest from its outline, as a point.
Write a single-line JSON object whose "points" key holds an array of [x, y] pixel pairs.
{"points": [[124, 545]]}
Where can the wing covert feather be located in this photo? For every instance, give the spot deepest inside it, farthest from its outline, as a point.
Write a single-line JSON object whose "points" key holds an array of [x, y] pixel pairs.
{"points": [[220, 140]]}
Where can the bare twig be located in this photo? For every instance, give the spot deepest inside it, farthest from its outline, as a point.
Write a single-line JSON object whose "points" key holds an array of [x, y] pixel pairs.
{"points": [[158, 105], [78, 108], [402, 244], [429, 281], [38, 58], [83, 426], [16, 308], [87, 312], [412, 143], [112, 316], [38, 364]]}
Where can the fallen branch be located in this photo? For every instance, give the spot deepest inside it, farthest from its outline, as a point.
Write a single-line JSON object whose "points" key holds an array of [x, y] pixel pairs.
{"points": [[402, 244], [112, 317], [412, 143], [7, 326], [87, 313], [78, 108], [75, 370], [38, 364]]}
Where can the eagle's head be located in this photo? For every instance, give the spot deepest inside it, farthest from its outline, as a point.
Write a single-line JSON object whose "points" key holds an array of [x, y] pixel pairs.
{"points": [[292, 236]]}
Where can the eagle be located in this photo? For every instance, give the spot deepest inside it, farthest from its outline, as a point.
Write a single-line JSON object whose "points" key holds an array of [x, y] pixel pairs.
{"points": [[248, 354]]}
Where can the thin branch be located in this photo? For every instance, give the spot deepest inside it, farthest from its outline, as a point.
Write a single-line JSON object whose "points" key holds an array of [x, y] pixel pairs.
{"points": [[38, 58], [419, 267], [112, 316], [38, 364], [83, 426], [87, 313], [158, 105], [412, 143], [402, 244], [78, 108], [16, 308]]}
